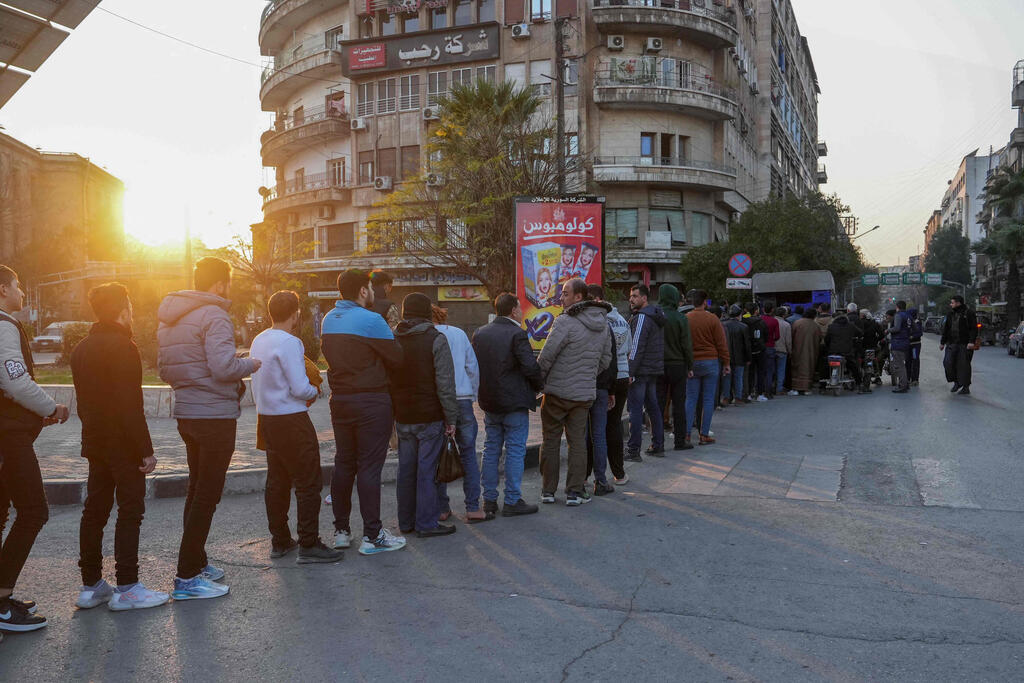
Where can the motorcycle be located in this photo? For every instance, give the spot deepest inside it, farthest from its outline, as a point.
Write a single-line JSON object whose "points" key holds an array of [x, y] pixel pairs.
{"points": [[871, 373], [838, 377]]}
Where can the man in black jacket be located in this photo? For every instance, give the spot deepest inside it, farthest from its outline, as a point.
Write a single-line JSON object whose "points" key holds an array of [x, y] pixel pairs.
{"points": [[646, 366], [737, 335], [758, 341], [509, 381], [107, 371], [844, 339], [959, 340]]}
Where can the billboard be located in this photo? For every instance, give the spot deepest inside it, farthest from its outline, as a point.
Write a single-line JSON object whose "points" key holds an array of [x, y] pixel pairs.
{"points": [[556, 240]]}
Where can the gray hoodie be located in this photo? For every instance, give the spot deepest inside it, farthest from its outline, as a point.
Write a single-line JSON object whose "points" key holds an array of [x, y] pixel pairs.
{"points": [[576, 351], [198, 357]]}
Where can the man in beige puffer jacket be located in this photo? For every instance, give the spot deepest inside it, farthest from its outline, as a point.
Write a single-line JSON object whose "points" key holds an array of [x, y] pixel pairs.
{"points": [[577, 349]]}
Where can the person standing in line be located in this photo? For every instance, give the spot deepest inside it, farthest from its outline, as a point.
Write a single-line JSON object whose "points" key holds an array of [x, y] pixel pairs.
{"points": [[899, 344], [361, 351], [509, 381], [807, 338], [783, 347], [382, 304], [578, 348], [770, 359], [283, 394], [646, 365], [24, 410], [959, 340], [758, 344], [798, 312], [737, 337], [467, 386], [198, 358], [914, 360], [426, 411], [678, 361], [107, 371], [872, 334], [597, 424], [710, 352], [613, 431]]}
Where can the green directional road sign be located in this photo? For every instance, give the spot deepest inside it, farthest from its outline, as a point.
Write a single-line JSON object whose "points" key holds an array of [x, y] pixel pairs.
{"points": [[890, 278], [869, 280], [913, 278], [933, 278]]}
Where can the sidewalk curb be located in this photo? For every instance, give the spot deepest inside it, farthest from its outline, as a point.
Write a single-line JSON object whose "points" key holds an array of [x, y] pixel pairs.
{"points": [[237, 482]]}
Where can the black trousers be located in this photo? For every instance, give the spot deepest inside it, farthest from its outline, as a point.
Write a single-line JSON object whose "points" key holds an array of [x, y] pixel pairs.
{"points": [[672, 385], [293, 461], [957, 363], [209, 445], [112, 477], [22, 484], [362, 428], [613, 431]]}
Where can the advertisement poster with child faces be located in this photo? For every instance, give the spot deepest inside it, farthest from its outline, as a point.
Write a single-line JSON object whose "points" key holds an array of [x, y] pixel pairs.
{"points": [[556, 240]]}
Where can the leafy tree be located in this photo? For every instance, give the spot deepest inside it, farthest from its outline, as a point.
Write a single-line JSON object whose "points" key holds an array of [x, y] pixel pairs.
{"points": [[949, 254], [1004, 196], [493, 144]]}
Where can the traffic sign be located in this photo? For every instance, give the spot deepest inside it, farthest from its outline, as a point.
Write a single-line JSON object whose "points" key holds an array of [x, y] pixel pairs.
{"points": [[890, 278], [869, 280], [738, 283], [933, 278], [740, 265], [913, 278]]}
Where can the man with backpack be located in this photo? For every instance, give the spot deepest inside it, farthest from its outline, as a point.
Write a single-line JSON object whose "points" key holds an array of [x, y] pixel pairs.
{"points": [[758, 342]]}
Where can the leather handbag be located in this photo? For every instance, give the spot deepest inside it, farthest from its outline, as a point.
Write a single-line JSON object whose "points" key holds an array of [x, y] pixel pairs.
{"points": [[449, 465]]}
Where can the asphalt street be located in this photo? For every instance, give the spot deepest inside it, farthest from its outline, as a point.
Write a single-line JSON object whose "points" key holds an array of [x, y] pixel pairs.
{"points": [[822, 538]]}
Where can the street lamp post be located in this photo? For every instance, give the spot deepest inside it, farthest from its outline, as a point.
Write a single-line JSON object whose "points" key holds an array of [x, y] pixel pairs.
{"points": [[864, 233]]}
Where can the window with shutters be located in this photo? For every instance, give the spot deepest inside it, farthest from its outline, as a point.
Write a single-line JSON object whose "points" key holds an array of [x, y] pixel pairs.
{"points": [[409, 92], [565, 8], [338, 239], [410, 161], [334, 37], [700, 229], [621, 225], [387, 95], [365, 99], [515, 11], [540, 77], [366, 167], [387, 161], [485, 73], [516, 73], [571, 77], [437, 86], [336, 172], [462, 77], [668, 220]]}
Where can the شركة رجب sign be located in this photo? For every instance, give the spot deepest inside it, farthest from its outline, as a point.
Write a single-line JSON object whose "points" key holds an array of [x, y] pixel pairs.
{"points": [[424, 48]]}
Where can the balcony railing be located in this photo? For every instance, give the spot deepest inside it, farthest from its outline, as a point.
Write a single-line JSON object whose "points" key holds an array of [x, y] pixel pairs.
{"points": [[673, 162], [659, 80], [289, 57], [316, 181], [311, 115], [703, 8]]}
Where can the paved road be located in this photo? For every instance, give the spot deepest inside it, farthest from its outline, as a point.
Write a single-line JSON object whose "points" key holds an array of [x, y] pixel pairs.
{"points": [[913, 571]]}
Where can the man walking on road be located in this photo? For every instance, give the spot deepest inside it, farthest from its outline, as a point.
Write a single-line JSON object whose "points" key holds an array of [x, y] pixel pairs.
{"points": [[899, 344], [107, 371], [646, 366], [24, 410], [678, 361], [509, 381], [710, 356], [613, 430], [198, 359], [959, 340], [361, 351], [578, 348], [283, 395]]}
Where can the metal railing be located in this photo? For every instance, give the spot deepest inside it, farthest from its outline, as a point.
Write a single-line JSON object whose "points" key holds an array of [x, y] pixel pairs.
{"points": [[286, 59], [311, 115], [315, 181], [704, 8], [659, 80], [671, 162]]}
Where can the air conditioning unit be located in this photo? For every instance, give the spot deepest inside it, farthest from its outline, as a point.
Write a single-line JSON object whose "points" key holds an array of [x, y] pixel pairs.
{"points": [[325, 212], [654, 44], [431, 113], [291, 218], [616, 43], [434, 180], [382, 183], [358, 124], [521, 31]]}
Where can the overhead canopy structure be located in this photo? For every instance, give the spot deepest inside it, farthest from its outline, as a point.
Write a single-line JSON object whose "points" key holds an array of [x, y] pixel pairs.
{"points": [[793, 281], [30, 31]]}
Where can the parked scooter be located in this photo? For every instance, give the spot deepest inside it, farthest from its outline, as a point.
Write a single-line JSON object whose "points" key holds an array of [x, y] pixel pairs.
{"points": [[838, 378]]}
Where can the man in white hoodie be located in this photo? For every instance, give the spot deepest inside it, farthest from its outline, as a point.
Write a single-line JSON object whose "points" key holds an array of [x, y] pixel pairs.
{"points": [[467, 384], [283, 395]]}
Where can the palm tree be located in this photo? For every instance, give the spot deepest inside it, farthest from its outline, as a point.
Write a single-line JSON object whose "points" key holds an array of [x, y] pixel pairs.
{"points": [[1004, 197]]}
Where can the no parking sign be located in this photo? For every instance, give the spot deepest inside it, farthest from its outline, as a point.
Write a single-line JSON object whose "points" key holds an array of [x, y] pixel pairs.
{"points": [[740, 265]]}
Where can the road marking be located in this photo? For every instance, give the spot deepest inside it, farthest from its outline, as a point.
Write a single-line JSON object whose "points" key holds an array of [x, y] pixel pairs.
{"points": [[940, 484], [700, 475], [817, 479]]}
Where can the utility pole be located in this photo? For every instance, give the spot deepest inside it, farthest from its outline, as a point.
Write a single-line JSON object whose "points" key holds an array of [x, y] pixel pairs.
{"points": [[560, 103]]}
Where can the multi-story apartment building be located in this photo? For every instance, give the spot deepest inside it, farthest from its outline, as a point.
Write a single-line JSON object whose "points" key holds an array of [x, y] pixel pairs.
{"points": [[934, 223], [674, 106]]}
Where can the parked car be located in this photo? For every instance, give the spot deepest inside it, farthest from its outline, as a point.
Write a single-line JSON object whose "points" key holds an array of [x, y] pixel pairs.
{"points": [[933, 323], [1015, 347], [52, 338]]}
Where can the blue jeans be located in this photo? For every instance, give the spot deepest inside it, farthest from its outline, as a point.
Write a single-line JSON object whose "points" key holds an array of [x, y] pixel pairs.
{"points": [[780, 371], [643, 393], [597, 435], [419, 448], [733, 389], [465, 435], [510, 430], [766, 379], [702, 385]]}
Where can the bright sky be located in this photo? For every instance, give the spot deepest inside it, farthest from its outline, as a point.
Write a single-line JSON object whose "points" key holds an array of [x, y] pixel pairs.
{"points": [[908, 88]]}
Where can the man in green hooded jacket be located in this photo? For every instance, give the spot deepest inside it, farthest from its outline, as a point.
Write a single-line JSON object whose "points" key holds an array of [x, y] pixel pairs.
{"points": [[678, 361]]}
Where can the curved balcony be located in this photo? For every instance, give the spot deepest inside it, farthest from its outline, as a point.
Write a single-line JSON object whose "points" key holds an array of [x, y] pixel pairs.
{"points": [[319, 188], [668, 171], [281, 18], [700, 97], [697, 21], [313, 127], [281, 82]]}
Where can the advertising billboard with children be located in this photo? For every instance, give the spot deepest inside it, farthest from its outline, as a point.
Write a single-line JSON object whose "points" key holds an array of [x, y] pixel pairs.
{"points": [[556, 240]]}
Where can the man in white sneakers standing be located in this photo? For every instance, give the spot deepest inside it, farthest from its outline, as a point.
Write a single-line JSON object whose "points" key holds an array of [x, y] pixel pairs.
{"points": [[283, 395]]}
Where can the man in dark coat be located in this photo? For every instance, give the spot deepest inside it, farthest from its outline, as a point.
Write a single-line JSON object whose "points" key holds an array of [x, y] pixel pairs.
{"points": [[959, 340], [509, 381], [737, 336], [646, 366], [844, 339]]}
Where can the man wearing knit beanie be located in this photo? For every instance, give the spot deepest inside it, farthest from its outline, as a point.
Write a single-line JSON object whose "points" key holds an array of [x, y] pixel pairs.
{"points": [[426, 410]]}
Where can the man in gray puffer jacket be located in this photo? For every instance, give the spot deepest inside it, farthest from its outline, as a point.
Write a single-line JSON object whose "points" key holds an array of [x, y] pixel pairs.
{"points": [[197, 358], [577, 349]]}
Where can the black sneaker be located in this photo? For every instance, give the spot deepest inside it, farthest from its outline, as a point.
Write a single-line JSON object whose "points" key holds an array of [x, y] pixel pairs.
{"points": [[491, 506], [575, 498], [520, 507], [439, 530], [964, 391], [280, 551], [956, 388], [14, 618], [27, 605], [633, 456], [319, 554], [655, 452], [603, 489], [684, 446]]}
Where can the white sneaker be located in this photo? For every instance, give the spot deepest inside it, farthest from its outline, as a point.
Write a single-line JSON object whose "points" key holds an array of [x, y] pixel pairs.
{"points": [[762, 398], [137, 597], [328, 500], [93, 596], [620, 482], [342, 539], [547, 498], [384, 542], [792, 392]]}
